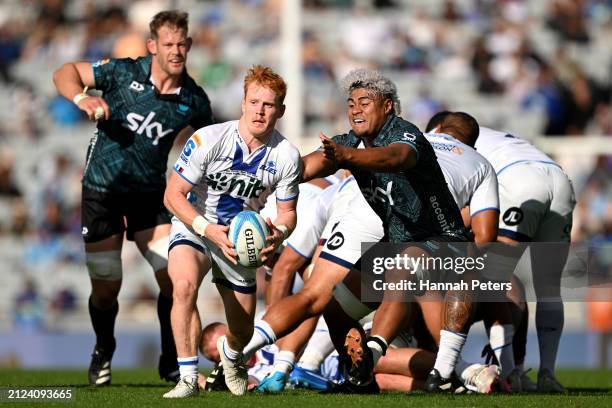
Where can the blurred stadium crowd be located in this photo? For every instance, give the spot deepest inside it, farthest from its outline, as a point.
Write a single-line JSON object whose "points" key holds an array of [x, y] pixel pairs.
{"points": [[532, 67]]}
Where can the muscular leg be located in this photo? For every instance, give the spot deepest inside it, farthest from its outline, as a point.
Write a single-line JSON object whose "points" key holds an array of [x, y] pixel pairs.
{"points": [[547, 271], [286, 315], [186, 267], [104, 265], [239, 312], [153, 245]]}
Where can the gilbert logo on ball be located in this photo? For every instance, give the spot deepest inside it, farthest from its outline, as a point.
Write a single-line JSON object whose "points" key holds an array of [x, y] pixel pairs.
{"points": [[247, 232]]}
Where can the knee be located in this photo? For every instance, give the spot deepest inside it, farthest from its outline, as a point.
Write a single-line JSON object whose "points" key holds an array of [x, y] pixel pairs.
{"points": [[104, 265], [183, 290]]}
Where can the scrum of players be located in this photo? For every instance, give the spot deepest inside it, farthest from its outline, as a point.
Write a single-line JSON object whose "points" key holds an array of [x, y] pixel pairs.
{"points": [[417, 342], [383, 181]]}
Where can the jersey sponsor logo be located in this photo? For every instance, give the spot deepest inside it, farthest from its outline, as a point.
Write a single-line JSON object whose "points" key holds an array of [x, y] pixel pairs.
{"points": [[235, 183], [138, 87], [270, 167], [192, 144], [409, 137], [141, 124], [224, 159], [513, 216], [101, 62], [457, 150], [84, 231], [182, 109], [335, 241], [373, 194], [439, 214]]}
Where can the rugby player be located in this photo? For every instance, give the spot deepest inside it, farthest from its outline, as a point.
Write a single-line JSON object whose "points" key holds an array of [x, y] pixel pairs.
{"points": [[398, 173], [536, 204], [224, 169], [146, 102]]}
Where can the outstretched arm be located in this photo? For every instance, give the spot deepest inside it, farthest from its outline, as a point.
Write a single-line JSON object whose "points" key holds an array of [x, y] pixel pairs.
{"points": [[394, 158]]}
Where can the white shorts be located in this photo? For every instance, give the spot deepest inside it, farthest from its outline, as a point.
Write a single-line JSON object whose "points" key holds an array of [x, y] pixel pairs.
{"points": [[235, 277], [333, 201], [348, 226], [309, 194], [536, 201]]}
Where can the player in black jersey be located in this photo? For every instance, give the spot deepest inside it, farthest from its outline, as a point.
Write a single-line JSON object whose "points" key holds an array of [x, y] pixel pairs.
{"points": [[146, 102], [399, 175]]}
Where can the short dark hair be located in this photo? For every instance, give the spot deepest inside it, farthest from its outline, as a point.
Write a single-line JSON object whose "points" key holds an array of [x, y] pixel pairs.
{"points": [[461, 126], [174, 18], [436, 120]]}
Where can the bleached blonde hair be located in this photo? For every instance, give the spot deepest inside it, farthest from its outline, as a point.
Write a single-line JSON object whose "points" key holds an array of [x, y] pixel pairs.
{"points": [[373, 81]]}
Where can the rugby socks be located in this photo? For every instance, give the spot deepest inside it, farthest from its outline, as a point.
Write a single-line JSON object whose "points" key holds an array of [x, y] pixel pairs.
{"points": [[229, 352], [378, 346], [284, 361], [164, 306], [500, 339], [451, 344], [103, 322], [262, 336], [318, 348], [519, 342], [188, 366], [549, 325]]}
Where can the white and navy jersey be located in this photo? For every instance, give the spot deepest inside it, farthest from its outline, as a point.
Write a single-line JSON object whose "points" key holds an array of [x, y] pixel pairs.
{"points": [[503, 150], [470, 177], [228, 179]]}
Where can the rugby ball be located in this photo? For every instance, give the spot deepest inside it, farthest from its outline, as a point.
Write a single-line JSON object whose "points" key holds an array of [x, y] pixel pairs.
{"points": [[247, 232]]}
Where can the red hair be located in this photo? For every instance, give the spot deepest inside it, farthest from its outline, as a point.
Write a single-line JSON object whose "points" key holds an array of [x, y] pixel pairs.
{"points": [[265, 76]]}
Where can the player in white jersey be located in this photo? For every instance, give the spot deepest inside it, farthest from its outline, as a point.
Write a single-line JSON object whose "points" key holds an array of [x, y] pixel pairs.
{"points": [[222, 170], [331, 205], [536, 203]]}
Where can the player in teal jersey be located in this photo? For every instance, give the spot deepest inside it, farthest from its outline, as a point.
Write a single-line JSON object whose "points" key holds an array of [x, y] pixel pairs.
{"points": [[399, 175], [146, 103]]}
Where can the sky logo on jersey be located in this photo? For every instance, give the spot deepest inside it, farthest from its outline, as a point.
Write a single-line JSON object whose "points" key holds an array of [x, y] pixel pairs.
{"points": [[373, 194], [141, 124], [270, 167]]}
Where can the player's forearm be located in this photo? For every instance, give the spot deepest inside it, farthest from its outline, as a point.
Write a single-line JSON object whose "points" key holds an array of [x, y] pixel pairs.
{"points": [[287, 218], [316, 165], [178, 205], [389, 159], [68, 81]]}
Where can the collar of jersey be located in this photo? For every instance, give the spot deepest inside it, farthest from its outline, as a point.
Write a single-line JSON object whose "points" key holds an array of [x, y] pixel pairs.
{"points": [[242, 143], [144, 76]]}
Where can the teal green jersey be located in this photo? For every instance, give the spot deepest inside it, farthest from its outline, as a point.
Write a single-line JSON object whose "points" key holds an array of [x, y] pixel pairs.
{"points": [[129, 152], [415, 204]]}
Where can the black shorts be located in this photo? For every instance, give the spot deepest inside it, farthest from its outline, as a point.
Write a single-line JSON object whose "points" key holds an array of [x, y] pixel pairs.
{"points": [[107, 214]]}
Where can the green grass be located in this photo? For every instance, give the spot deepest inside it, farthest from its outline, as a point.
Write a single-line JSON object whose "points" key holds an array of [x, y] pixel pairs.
{"points": [[141, 388]]}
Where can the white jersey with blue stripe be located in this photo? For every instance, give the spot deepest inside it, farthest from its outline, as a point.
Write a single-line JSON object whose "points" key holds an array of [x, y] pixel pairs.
{"points": [[228, 179], [469, 176], [503, 150]]}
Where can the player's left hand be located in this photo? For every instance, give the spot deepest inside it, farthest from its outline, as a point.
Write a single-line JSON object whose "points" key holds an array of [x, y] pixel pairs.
{"points": [[274, 240], [332, 150]]}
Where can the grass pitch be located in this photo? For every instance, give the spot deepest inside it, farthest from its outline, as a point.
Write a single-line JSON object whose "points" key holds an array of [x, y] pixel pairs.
{"points": [[141, 388]]}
